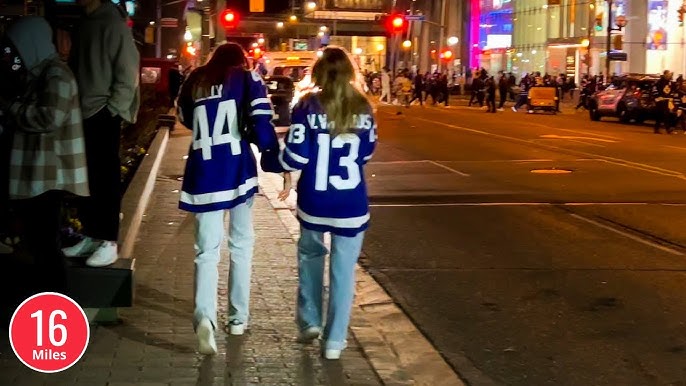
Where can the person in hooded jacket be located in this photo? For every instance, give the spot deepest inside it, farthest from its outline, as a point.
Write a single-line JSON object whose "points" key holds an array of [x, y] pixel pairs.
{"points": [[105, 60], [47, 152]]}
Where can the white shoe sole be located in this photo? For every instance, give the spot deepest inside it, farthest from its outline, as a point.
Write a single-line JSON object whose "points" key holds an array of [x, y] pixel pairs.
{"points": [[100, 264], [332, 354], [206, 343]]}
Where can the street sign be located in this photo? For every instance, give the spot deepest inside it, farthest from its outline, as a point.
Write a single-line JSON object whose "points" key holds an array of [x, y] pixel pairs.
{"points": [[618, 56], [169, 22], [415, 17]]}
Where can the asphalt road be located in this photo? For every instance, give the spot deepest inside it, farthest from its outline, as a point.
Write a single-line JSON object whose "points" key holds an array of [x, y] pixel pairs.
{"points": [[574, 275]]}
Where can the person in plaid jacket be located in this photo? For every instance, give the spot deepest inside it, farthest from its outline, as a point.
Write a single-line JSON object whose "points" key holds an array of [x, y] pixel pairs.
{"points": [[47, 152]]}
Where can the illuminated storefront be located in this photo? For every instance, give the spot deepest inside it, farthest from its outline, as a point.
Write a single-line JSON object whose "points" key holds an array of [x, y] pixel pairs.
{"points": [[495, 35]]}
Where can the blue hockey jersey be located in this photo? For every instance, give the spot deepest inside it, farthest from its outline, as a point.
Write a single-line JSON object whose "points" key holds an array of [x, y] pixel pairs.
{"points": [[221, 171], [332, 193]]}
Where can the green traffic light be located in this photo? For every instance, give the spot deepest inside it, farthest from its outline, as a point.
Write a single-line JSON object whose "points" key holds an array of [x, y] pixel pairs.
{"points": [[598, 28]]}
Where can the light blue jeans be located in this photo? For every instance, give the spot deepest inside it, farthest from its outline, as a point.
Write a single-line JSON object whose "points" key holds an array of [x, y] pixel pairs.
{"points": [[344, 254], [209, 234]]}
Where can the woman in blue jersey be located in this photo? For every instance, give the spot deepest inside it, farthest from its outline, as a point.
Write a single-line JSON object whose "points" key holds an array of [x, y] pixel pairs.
{"points": [[332, 135], [221, 175]]}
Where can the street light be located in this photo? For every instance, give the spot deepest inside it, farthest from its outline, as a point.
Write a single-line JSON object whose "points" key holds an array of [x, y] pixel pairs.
{"points": [[187, 36], [293, 18], [279, 24], [311, 5], [407, 44], [453, 40], [260, 41]]}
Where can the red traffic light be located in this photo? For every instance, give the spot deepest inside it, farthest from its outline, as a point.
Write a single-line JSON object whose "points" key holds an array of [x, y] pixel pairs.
{"points": [[396, 23], [228, 19], [447, 55]]}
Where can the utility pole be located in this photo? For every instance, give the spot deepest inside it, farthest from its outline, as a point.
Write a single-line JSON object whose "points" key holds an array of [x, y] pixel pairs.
{"points": [[442, 34], [158, 28], [205, 31], [608, 48]]}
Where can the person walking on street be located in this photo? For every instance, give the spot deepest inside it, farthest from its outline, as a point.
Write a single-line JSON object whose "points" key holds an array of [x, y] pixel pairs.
{"points": [[503, 90], [385, 86], [48, 159], [490, 94], [418, 89], [332, 136], [220, 176], [105, 61], [662, 93]]}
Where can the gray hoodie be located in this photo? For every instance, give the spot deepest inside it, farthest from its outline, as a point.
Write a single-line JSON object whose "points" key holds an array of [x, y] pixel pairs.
{"points": [[106, 63]]}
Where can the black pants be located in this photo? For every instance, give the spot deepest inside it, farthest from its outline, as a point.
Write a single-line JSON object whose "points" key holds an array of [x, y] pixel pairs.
{"points": [[5, 148], [41, 219], [418, 94], [99, 213], [490, 101], [503, 98], [662, 116]]}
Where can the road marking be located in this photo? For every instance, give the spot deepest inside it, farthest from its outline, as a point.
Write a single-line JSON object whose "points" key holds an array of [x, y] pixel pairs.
{"points": [[613, 160], [398, 162], [456, 204], [628, 235], [570, 137], [459, 173], [675, 147]]}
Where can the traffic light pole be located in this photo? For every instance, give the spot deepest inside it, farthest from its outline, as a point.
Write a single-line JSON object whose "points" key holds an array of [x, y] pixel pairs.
{"points": [[608, 47]]}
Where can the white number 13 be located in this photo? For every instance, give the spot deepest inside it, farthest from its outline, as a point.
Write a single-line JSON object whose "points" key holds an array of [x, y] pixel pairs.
{"points": [[322, 178]]}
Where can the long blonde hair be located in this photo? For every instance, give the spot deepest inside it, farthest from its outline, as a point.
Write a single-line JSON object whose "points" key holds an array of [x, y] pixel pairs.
{"points": [[335, 76]]}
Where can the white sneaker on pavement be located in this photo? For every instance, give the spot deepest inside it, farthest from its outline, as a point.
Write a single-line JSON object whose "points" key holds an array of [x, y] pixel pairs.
{"points": [[309, 334], [236, 327], [83, 248], [105, 255], [332, 354], [206, 343]]}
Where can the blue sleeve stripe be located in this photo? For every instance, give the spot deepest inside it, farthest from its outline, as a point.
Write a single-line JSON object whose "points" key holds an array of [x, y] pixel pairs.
{"points": [[261, 112], [296, 157], [258, 101], [218, 197], [285, 164], [345, 223]]}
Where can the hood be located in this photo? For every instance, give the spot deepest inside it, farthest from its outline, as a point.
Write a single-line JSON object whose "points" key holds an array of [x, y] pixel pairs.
{"points": [[108, 12], [32, 36]]}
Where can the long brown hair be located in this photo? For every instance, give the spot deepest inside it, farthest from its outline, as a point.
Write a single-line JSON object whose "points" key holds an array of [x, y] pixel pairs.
{"points": [[226, 58], [335, 76]]}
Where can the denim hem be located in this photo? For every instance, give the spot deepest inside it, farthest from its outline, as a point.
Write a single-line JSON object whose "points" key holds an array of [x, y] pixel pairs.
{"points": [[333, 345]]}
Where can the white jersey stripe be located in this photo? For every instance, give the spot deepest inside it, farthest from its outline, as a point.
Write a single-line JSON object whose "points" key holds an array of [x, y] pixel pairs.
{"points": [[258, 101], [219, 197], [349, 223]]}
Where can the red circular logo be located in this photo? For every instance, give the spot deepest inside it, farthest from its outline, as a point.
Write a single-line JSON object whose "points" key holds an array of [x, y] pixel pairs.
{"points": [[49, 332]]}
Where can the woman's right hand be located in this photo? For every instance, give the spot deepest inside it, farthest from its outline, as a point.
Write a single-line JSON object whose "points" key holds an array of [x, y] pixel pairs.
{"points": [[287, 185]]}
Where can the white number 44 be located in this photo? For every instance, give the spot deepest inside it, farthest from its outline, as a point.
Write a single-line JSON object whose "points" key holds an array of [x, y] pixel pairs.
{"points": [[224, 129]]}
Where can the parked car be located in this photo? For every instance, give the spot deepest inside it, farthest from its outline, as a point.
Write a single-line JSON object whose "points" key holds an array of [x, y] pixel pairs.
{"points": [[628, 99], [280, 90]]}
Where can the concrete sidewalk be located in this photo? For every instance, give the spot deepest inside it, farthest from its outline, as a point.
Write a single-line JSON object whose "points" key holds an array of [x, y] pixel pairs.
{"points": [[154, 343]]}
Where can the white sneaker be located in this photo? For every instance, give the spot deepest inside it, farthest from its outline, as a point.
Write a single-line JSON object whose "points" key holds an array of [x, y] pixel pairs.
{"points": [[332, 354], [309, 334], [514, 109], [206, 343], [236, 327], [83, 248], [105, 255]]}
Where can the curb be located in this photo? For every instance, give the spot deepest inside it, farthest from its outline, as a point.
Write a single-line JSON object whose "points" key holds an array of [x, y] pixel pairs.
{"points": [[137, 196], [397, 351], [133, 206]]}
